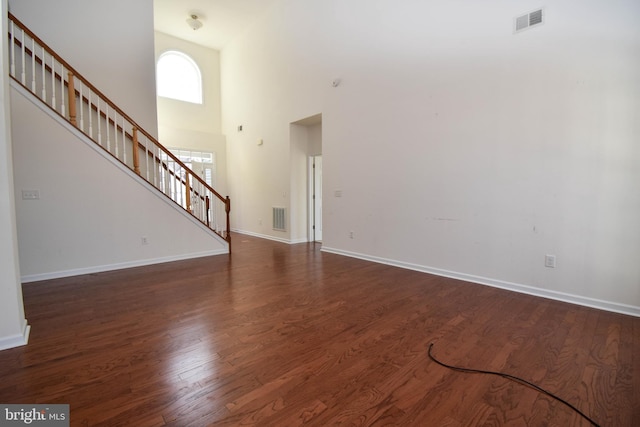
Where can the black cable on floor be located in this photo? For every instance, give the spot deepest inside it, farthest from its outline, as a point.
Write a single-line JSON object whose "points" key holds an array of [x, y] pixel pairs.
{"points": [[512, 378]]}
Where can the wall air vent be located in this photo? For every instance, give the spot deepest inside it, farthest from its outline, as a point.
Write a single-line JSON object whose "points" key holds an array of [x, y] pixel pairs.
{"points": [[529, 20], [278, 219]]}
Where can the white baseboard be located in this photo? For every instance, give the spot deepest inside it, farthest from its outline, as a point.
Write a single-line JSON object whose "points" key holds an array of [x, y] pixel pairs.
{"points": [[296, 241], [265, 236], [524, 289], [119, 266], [16, 340]]}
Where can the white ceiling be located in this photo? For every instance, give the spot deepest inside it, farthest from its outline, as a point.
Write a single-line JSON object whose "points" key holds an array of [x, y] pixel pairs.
{"points": [[222, 19]]}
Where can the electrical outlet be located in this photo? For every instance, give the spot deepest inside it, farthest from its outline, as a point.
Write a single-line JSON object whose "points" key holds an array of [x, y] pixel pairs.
{"points": [[144, 240], [351, 234], [550, 261]]}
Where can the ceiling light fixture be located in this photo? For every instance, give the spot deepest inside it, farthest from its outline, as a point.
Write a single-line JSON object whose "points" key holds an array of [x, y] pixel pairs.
{"points": [[194, 23]]}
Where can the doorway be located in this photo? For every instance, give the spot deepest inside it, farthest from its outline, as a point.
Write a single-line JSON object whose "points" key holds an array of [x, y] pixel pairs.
{"points": [[306, 179], [201, 162]]}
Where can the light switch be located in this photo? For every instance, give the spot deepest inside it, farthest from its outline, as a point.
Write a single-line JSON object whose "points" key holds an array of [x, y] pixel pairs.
{"points": [[30, 195]]}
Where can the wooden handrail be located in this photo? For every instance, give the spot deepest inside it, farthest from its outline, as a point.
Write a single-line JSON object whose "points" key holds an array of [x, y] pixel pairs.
{"points": [[190, 178]]}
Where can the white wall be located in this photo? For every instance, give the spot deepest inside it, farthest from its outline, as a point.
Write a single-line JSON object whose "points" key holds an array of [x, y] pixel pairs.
{"points": [[14, 330], [315, 140], [459, 147], [297, 216], [193, 126], [91, 215], [109, 43]]}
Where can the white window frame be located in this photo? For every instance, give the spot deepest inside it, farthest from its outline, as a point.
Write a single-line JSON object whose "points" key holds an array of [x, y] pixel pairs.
{"points": [[178, 77]]}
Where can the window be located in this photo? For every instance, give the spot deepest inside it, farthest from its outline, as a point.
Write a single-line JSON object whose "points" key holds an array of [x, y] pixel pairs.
{"points": [[178, 77], [172, 177], [201, 162]]}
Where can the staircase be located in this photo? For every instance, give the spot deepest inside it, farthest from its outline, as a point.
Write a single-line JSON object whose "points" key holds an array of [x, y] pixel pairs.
{"points": [[44, 74]]}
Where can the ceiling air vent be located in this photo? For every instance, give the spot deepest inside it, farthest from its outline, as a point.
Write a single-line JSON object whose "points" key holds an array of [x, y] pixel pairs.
{"points": [[529, 20]]}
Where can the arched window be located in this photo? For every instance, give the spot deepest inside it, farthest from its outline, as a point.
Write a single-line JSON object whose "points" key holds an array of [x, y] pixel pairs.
{"points": [[178, 77]]}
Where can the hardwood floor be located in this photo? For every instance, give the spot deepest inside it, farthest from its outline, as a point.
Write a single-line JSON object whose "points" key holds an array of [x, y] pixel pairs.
{"points": [[286, 335]]}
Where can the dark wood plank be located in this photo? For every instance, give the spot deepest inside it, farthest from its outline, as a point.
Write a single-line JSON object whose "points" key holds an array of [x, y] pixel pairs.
{"points": [[287, 335]]}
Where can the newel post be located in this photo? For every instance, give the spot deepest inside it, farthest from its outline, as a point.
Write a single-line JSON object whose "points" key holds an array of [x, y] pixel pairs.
{"points": [[72, 100], [227, 208], [136, 153]]}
